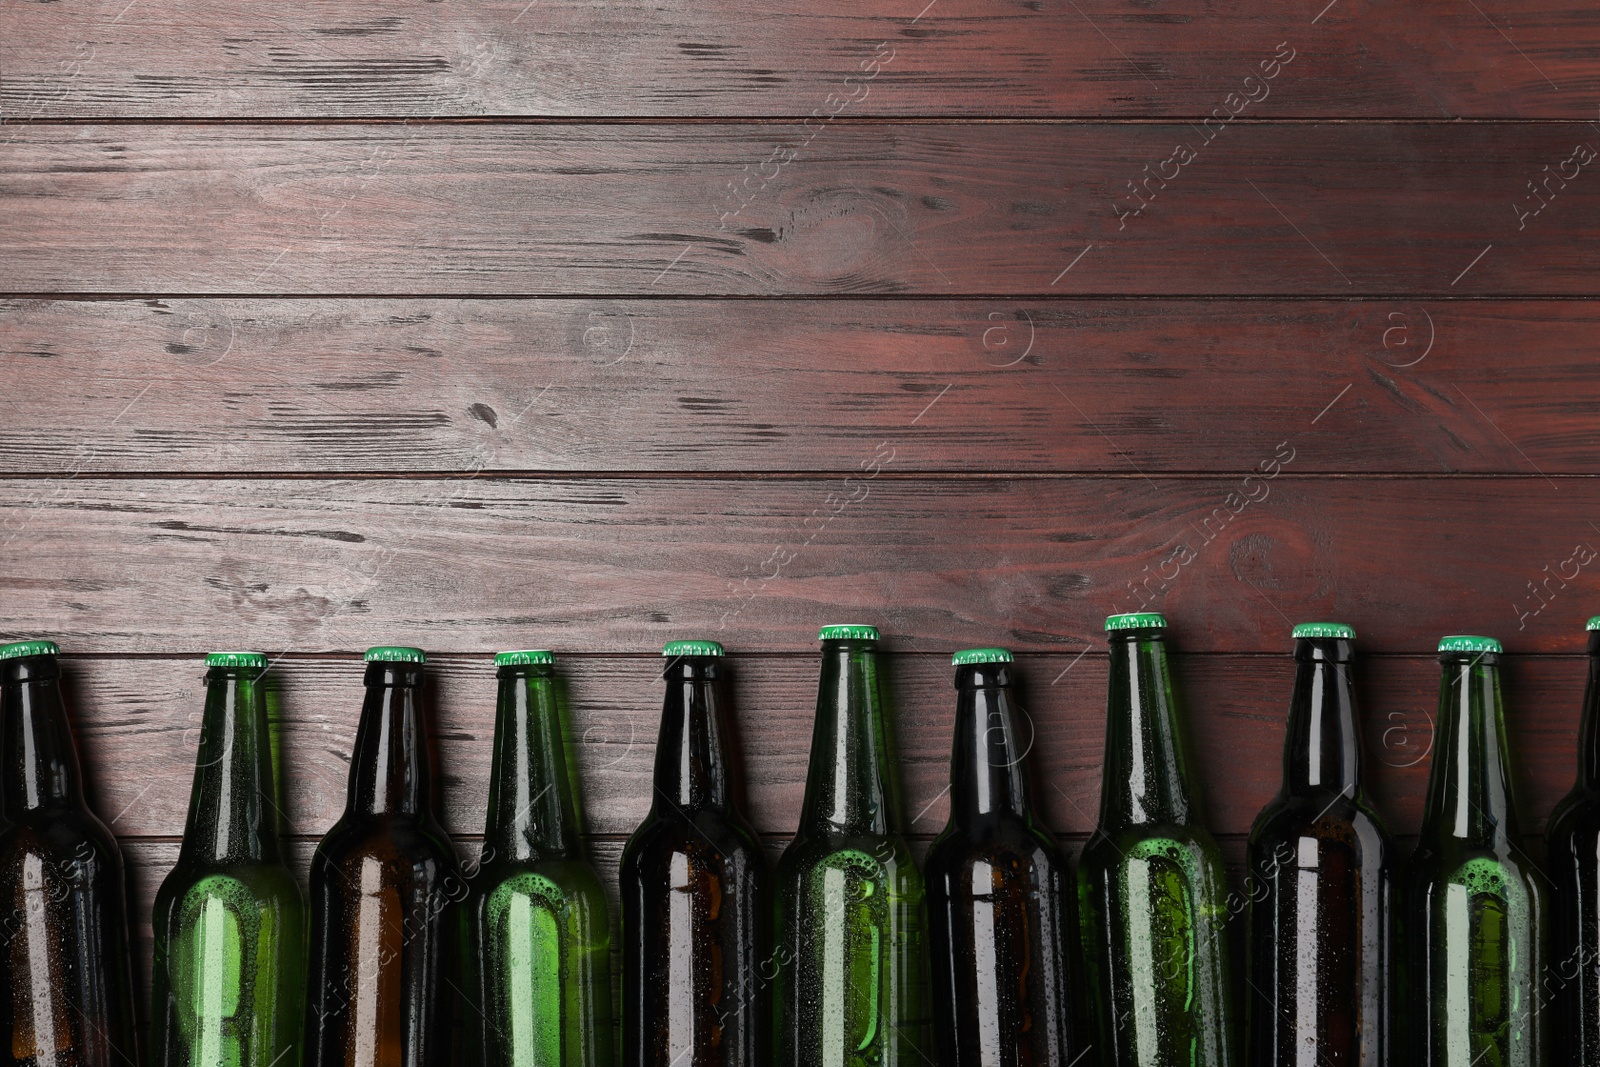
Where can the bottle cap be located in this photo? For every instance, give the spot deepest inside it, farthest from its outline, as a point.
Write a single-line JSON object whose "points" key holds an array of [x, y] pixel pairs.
{"points": [[969, 656], [1594, 623], [250, 661], [847, 631], [18, 649], [692, 648], [395, 654], [1324, 629], [527, 657], [1469, 643], [1136, 620]]}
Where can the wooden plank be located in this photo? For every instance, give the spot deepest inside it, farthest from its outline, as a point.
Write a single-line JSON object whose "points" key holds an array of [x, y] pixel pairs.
{"points": [[622, 564], [206, 386], [347, 58], [138, 723], [339, 209]]}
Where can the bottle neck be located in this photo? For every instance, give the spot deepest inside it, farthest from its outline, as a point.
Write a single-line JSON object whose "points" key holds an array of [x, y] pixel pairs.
{"points": [[232, 810], [1322, 751], [692, 753], [532, 811], [848, 788], [1469, 785], [986, 773], [389, 766], [1589, 724], [1145, 779], [41, 767]]}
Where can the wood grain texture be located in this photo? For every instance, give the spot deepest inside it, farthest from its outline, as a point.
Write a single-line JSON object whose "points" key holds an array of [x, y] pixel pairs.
{"points": [[1339, 209], [1354, 58], [479, 564], [308, 386], [138, 724]]}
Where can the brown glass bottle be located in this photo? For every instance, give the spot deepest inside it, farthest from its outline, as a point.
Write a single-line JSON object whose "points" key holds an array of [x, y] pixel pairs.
{"points": [[1321, 882], [695, 911], [1000, 910], [383, 889], [67, 995]]}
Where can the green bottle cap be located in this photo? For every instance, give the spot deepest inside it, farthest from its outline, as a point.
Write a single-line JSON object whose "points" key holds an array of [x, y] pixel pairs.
{"points": [[1469, 643], [1594, 623], [969, 656], [250, 661], [1324, 629], [1136, 620], [847, 631], [395, 654], [526, 657], [692, 648], [18, 649]]}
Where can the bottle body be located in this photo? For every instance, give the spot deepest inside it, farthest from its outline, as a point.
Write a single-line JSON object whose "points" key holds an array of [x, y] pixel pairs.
{"points": [[535, 919], [849, 915], [1000, 897], [1573, 839], [229, 920], [67, 994], [1322, 868], [1475, 908], [696, 909], [1152, 891], [383, 889]]}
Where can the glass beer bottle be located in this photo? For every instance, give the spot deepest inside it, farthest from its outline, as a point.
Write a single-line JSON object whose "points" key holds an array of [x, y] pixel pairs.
{"points": [[1152, 892], [229, 920], [695, 907], [850, 948], [1573, 839], [382, 929], [999, 892], [1475, 909], [536, 918], [1322, 872], [66, 998]]}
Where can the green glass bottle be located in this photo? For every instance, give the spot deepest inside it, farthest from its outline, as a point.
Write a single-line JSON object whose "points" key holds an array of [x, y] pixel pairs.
{"points": [[851, 947], [1573, 836], [66, 987], [1152, 892], [538, 935], [229, 920], [1475, 907]]}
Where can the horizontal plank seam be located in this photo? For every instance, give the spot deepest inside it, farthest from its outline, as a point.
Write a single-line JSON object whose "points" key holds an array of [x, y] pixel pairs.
{"points": [[88, 295], [823, 475], [784, 120]]}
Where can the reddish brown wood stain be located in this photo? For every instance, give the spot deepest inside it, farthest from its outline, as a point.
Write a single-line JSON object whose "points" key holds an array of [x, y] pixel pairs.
{"points": [[594, 325]]}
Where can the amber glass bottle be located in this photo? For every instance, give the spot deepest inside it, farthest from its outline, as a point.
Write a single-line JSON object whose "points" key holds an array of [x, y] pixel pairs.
{"points": [[695, 910], [382, 926], [999, 892], [66, 998]]}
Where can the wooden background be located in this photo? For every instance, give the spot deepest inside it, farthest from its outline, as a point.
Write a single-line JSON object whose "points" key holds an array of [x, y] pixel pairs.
{"points": [[593, 325]]}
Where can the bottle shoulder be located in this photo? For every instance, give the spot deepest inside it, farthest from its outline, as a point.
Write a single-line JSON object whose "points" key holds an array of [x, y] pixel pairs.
{"points": [[887, 852], [265, 885], [58, 836], [1005, 840], [1576, 817], [392, 840], [1326, 815], [706, 832], [1191, 847], [563, 883]]}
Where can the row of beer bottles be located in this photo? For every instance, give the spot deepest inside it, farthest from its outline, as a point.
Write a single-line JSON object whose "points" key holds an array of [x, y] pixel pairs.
{"points": [[846, 954]]}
